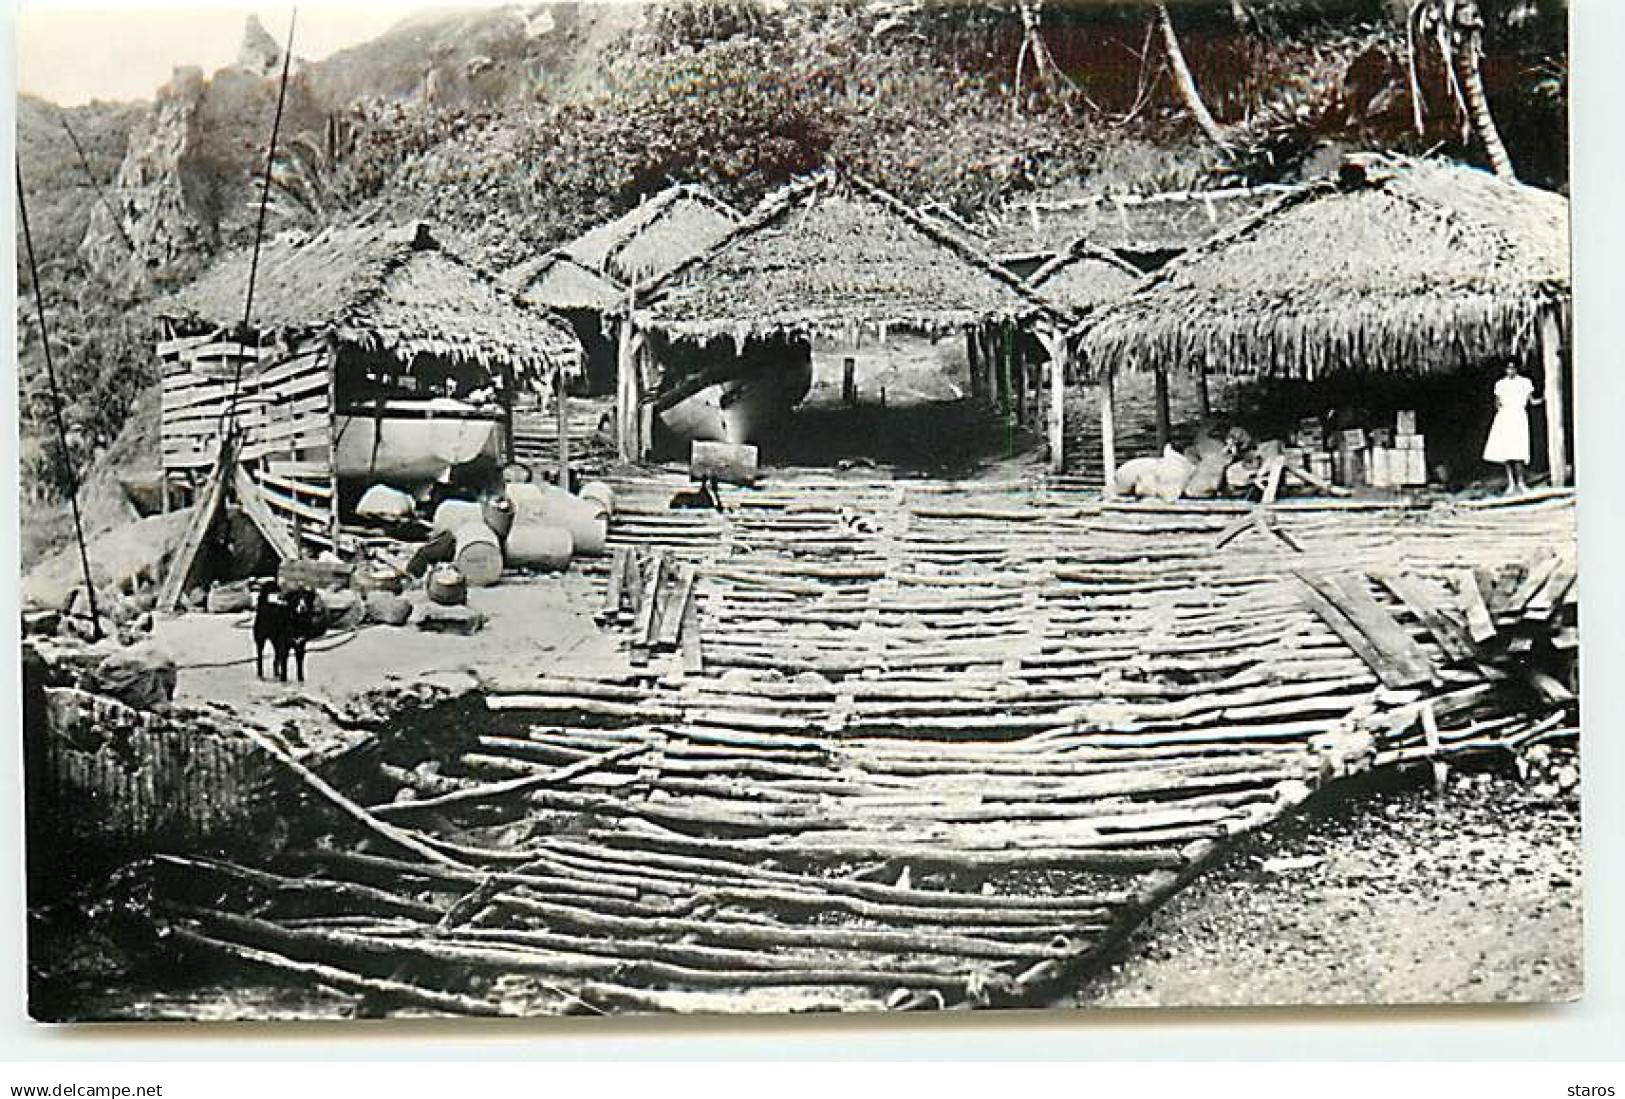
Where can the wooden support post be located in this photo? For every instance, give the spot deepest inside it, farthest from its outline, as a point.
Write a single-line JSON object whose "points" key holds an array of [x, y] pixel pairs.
{"points": [[1108, 435], [849, 382], [562, 412], [1551, 366], [626, 394], [973, 366], [1204, 404], [1057, 403], [1162, 416], [1018, 373]]}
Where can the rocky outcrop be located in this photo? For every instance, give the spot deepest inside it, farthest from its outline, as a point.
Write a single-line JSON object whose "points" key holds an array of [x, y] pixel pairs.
{"points": [[258, 52], [149, 196]]}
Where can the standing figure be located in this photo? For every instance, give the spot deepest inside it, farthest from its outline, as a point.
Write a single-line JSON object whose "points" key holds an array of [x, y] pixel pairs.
{"points": [[1509, 433]]}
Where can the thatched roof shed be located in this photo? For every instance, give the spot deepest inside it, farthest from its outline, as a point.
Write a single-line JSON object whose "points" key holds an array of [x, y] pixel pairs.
{"points": [[661, 233], [379, 289], [1394, 266], [1153, 224], [1085, 277], [833, 255], [557, 281]]}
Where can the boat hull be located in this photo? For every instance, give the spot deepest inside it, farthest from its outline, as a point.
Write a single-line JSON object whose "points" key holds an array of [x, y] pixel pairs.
{"points": [[411, 450], [740, 410]]}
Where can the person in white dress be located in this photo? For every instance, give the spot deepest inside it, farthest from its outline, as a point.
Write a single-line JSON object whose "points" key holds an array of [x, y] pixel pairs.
{"points": [[1509, 433]]}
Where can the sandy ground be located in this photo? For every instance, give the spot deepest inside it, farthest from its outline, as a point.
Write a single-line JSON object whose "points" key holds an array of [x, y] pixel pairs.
{"points": [[1396, 897], [537, 626]]}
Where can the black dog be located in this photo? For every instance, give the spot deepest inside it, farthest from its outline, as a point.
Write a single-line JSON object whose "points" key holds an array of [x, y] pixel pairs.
{"points": [[703, 498], [289, 622]]}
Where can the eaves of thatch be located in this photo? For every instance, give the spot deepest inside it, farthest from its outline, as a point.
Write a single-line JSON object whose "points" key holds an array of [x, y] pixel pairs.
{"points": [[379, 289], [1085, 277], [556, 281], [661, 233], [834, 255], [1154, 223], [1395, 266]]}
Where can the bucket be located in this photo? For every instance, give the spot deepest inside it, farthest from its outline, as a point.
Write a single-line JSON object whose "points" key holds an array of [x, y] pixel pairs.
{"points": [[479, 554], [600, 493], [586, 520], [447, 586], [371, 578], [536, 544], [498, 515], [452, 514]]}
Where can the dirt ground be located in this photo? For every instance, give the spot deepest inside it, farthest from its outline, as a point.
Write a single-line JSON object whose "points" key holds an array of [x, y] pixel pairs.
{"points": [[535, 626], [1382, 896]]}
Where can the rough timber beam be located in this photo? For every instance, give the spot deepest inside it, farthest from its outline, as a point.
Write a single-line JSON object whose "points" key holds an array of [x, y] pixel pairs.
{"points": [[1108, 436]]}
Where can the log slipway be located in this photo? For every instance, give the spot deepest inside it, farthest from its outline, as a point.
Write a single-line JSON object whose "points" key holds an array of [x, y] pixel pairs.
{"points": [[936, 746]]}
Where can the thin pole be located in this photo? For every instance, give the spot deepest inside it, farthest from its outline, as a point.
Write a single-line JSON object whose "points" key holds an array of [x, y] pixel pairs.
{"points": [[56, 410], [259, 227]]}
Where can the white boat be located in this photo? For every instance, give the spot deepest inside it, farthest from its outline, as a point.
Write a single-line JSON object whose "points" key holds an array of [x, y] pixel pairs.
{"points": [[410, 443], [739, 410]]}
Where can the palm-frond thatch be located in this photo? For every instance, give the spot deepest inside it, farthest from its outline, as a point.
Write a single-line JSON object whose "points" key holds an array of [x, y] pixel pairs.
{"points": [[659, 234], [557, 281], [1156, 223], [833, 254], [1395, 266], [1085, 277], [380, 289]]}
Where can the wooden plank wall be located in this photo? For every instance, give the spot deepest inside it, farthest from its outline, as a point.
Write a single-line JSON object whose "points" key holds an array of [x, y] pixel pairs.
{"points": [[285, 407]]}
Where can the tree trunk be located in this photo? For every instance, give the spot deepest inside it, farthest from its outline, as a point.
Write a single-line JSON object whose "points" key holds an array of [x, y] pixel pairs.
{"points": [[1478, 109], [1185, 83]]}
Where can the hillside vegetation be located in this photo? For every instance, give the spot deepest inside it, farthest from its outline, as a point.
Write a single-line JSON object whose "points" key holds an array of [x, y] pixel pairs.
{"points": [[517, 127]]}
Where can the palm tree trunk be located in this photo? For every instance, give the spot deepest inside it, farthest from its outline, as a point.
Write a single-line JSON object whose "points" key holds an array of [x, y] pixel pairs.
{"points": [[1478, 110], [1185, 83]]}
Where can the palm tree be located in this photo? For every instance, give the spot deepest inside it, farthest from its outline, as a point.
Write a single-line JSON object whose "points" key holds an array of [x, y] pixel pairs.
{"points": [[1457, 29], [1185, 83]]}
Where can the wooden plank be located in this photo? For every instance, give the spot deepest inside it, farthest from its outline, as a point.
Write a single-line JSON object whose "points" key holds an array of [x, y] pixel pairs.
{"points": [[691, 646], [1480, 626], [615, 591], [296, 488], [1272, 479], [306, 512], [289, 467], [1551, 369], [270, 527], [671, 618], [1534, 580], [1347, 607], [1449, 633], [644, 625]]}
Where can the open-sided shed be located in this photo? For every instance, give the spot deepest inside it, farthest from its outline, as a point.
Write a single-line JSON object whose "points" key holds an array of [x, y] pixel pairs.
{"points": [[832, 255], [1394, 265], [370, 354]]}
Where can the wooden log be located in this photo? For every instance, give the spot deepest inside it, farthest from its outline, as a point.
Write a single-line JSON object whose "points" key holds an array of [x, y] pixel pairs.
{"points": [[271, 529], [387, 990], [349, 808], [561, 409], [1161, 411], [1393, 654], [1447, 631], [496, 790], [1480, 624]]}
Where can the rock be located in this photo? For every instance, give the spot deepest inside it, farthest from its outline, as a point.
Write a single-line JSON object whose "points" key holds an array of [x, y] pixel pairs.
{"points": [[139, 676], [313, 575], [229, 599], [387, 608], [456, 620], [43, 623], [342, 610]]}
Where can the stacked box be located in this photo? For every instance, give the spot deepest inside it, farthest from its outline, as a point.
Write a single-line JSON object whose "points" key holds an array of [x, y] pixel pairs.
{"points": [[1320, 465], [1405, 422], [1379, 467], [1381, 436], [1296, 457], [1311, 435], [1415, 466], [1352, 439]]}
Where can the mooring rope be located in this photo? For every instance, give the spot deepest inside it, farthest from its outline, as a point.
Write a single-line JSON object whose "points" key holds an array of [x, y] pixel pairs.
{"points": [[259, 229], [56, 408]]}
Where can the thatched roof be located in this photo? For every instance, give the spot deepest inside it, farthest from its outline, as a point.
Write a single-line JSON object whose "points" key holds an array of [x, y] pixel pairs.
{"points": [[1166, 222], [831, 255], [1085, 277], [659, 234], [382, 289], [1395, 266], [556, 281]]}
